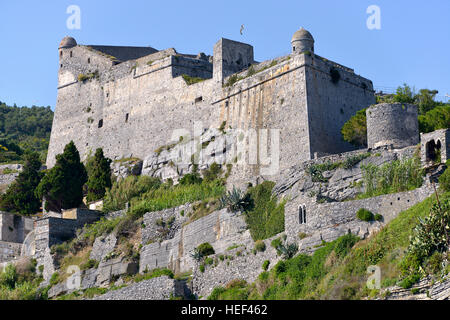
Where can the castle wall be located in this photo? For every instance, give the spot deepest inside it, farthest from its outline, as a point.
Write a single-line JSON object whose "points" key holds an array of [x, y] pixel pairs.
{"points": [[130, 110], [230, 57], [432, 143], [330, 104], [329, 221], [9, 251], [14, 228], [273, 99]]}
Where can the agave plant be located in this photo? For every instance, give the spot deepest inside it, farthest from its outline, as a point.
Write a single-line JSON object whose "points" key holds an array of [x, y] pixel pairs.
{"points": [[288, 251], [235, 200]]}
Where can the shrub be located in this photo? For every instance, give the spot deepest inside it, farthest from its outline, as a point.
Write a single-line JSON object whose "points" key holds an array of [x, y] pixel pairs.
{"points": [[437, 118], [8, 277], [260, 246], [392, 177], [265, 216], [213, 172], [444, 179], [404, 94], [91, 263], [62, 185], [20, 196], [202, 268], [99, 175], [54, 279], [126, 189], [302, 235], [191, 178], [265, 265], [205, 249], [354, 130], [276, 243], [209, 261], [191, 80], [378, 217], [364, 215], [288, 251]]}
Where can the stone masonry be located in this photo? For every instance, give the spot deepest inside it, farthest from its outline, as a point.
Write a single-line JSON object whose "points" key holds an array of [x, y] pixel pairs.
{"points": [[133, 98]]}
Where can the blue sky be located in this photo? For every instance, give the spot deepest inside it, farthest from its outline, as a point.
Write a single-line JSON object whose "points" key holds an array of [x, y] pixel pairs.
{"points": [[412, 46]]}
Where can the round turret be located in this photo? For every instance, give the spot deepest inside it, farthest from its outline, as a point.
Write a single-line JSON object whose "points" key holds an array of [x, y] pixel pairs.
{"points": [[392, 124], [67, 42], [302, 41]]}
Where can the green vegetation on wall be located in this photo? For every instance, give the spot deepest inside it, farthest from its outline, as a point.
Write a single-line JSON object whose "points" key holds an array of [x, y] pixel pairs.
{"points": [[265, 218], [391, 177]]}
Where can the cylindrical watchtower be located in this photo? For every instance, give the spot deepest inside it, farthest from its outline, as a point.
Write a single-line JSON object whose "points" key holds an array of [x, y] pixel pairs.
{"points": [[392, 124], [302, 41]]}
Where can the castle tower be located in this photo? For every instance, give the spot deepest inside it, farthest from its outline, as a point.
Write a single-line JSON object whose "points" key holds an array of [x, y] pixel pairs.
{"points": [[392, 124], [302, 41]]}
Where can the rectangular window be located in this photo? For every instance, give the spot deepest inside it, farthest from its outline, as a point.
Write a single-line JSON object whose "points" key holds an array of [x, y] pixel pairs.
{"points": [[199, 99], [100, 123]]}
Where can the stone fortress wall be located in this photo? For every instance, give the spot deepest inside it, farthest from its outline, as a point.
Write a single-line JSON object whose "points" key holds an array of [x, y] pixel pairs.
{"points": [[130, 107]]}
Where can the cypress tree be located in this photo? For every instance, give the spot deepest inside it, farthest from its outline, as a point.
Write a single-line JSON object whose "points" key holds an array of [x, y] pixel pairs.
{"points": [[62, 186], [99, 169], [20, 196]]}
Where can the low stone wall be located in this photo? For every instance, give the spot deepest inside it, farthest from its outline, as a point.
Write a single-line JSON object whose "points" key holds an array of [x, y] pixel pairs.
{"points": [[9, 251], [240, 263], [427, 289], [161, 288], [50, 231], [331, 220], [220, 228]]}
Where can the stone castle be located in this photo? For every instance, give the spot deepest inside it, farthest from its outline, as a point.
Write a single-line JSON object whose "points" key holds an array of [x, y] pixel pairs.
{"points": [[128, 100]]}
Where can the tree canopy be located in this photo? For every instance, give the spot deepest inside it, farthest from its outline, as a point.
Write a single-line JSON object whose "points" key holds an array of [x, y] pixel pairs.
{"points": [[99, 172], [24, 128], [20, 196], [62, 186]]}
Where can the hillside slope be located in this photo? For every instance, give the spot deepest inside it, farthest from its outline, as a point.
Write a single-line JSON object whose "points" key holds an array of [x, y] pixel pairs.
{"points": [[338, 270]]}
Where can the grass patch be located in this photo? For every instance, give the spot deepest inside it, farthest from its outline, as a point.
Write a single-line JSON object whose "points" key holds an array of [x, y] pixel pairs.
{"points": [[191, 80], [392, 177], [265, 218]]}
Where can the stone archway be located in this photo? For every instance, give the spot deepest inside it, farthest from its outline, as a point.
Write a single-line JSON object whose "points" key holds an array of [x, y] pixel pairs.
{"points": [[29, 245], [433, 151]]}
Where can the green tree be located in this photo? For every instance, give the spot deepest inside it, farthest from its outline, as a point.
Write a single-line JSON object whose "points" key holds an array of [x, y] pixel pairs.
{"points": [[425, 100], [99, 172], [62, 186], [437, 118], [355, 129], [20, 196], [404, 94]]}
